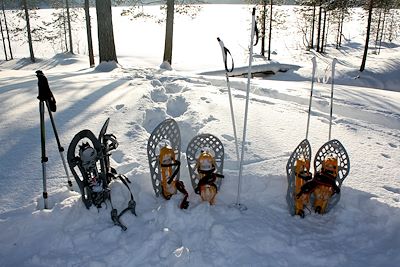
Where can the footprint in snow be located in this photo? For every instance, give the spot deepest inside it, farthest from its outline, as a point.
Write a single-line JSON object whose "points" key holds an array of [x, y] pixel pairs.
{"points": [[392, 189], [158, 94], [228, 137], [118, 107], [392, 145], [386, 155], [177, 106]]}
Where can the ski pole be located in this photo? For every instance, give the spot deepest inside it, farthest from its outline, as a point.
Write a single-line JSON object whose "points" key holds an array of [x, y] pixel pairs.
{"points": [[253, 24], [225, 52], [314, 62], [60, 148], [43, 146], [334, 61]]}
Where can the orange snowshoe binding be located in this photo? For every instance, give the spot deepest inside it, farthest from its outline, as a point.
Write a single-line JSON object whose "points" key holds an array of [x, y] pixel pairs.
{"points": [[326, 186], [303, 175], [169, 184], [206, 169]]}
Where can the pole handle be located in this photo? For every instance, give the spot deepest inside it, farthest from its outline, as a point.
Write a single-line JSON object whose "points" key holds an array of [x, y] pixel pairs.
{"points": [[225, 52]]}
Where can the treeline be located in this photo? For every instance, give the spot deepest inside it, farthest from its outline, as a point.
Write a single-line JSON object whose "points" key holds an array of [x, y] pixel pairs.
{"points": [[323, 19], [318, 21]]}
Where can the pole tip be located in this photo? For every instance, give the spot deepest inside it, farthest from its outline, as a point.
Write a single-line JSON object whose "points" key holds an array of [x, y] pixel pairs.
{"points": [[254, 11], [219, 40]]}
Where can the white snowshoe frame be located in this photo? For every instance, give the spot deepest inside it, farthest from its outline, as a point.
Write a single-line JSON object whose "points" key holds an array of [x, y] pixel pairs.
{"points": [[336, 149], [167, 130], [303, 150], [193, 150]]}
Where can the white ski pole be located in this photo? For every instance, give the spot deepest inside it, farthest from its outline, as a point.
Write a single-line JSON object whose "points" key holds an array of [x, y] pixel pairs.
{"points": [[334, 61], [225, 52], [314, 62], [253, 25]]}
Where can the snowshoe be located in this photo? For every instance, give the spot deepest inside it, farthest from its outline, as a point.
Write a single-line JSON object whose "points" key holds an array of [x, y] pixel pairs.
{"points": [[89, 161], [298, 173], [205, 156], [331, 165], [163, 152], [87, 166]]}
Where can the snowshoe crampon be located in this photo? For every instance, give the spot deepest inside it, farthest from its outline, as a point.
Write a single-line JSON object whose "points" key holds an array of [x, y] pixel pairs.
{"points": [[332, 165], [205, 156], [298, 173], [163, 152]]}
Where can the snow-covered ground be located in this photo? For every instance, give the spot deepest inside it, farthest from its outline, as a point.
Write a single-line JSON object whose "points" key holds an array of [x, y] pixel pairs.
{"points": [[362, 230]]}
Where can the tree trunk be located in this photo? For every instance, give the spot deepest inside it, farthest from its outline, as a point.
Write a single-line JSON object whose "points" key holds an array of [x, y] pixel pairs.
{"points": [[8, 33], [169, 32], [323, 32], [65, 30], [364, 59], [312, 27], [28, 29], [270, 31], [264, 13], [105, 31], [71, 49], [382, 31], [89, 34], [319, 26], [378, 27], [338, 30], [341, 28], [4, 41]]}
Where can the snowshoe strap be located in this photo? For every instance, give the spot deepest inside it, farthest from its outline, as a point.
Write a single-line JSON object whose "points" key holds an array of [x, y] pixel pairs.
{"points": [[181, 188], [209, 178], [175, 173], [111, 142], [115, 219], [319, 179], [131, 205], [132, 202], [211, 171]]}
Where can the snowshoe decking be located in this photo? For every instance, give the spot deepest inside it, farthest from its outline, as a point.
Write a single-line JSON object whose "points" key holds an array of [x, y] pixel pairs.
{"points": [[205, 156], [163, 152]]}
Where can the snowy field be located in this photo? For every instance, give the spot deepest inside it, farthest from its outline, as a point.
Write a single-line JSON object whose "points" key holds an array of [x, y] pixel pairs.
{"points": [[362, 230]]}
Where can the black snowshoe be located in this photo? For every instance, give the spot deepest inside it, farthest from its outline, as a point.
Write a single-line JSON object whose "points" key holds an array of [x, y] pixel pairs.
{"points": [[89, 161]]}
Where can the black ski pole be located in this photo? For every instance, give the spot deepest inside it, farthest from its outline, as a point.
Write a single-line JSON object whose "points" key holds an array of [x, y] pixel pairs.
{"points": [[60, 148], [45, 95], [43, 145]]}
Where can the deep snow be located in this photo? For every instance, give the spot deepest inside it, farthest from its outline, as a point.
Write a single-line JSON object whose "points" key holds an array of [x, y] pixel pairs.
{"points": [[362, 230]]}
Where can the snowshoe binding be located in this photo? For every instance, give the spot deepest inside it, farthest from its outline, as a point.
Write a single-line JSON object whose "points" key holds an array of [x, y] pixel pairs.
{"points": [[205, 156], [89, 161], [163, 151]]}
